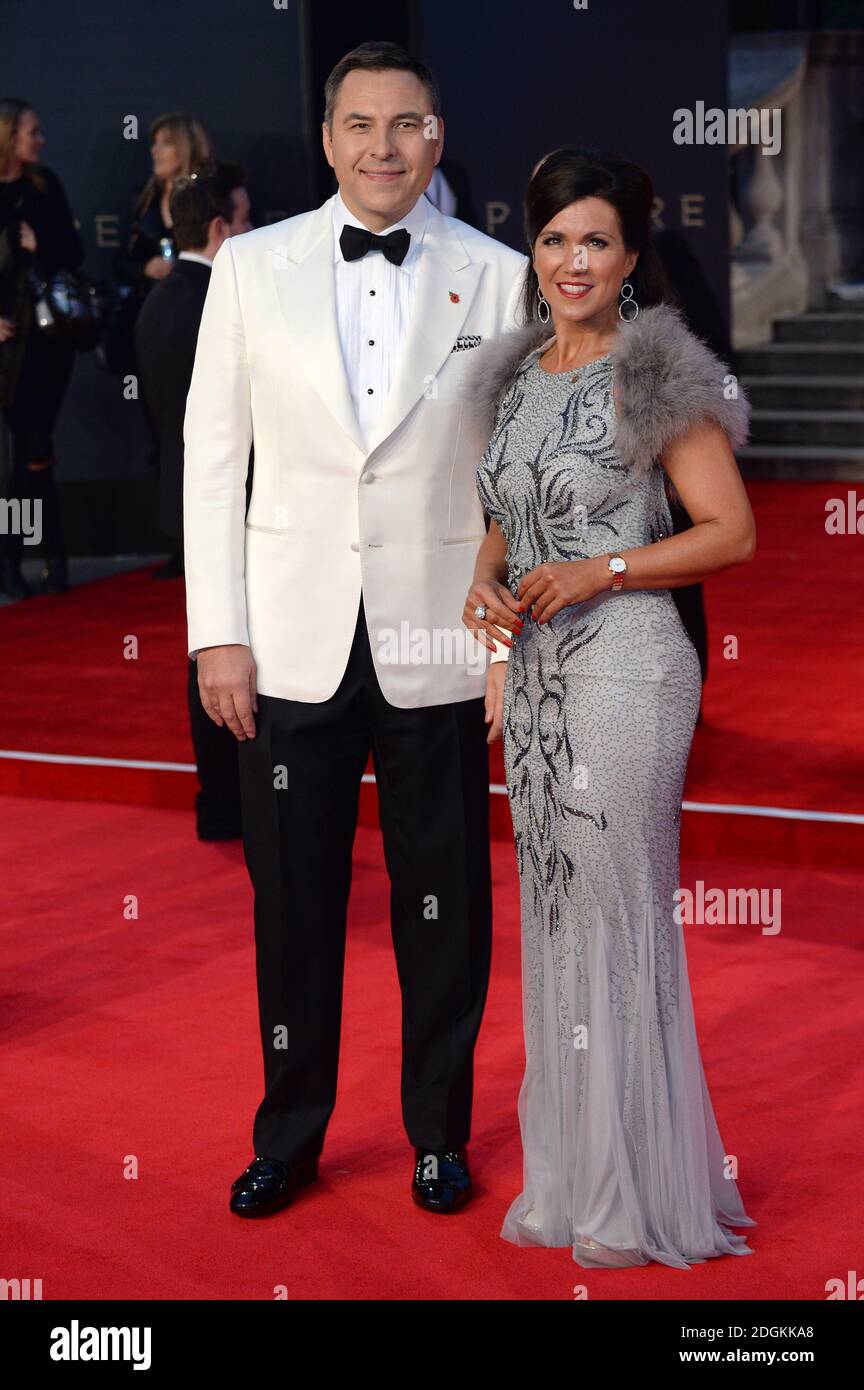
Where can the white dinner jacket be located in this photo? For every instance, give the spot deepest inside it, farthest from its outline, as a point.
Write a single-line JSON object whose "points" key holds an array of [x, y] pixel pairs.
{"points": [[327, 514]]}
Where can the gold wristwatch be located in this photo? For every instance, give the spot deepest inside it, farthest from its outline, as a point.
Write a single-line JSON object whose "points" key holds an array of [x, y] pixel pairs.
{"points": [[617, 566]]}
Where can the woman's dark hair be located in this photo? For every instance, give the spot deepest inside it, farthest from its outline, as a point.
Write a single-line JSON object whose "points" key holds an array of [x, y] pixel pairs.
{"points": [[375, 57], [565, 176]]}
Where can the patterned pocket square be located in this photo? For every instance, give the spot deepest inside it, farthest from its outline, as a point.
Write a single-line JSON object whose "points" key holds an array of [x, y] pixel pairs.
{"points": [[462, 344]]}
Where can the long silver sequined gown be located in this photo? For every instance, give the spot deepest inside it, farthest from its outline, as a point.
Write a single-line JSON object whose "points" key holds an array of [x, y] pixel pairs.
{"points": [[619, 1137]]}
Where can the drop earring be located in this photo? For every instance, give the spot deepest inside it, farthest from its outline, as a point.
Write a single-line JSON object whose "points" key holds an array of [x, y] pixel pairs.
{"points": [[541, 305], [627, 299]]}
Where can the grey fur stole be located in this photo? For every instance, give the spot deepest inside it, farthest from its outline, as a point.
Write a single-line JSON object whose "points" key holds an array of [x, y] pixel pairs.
{"points": [[666, 379]]}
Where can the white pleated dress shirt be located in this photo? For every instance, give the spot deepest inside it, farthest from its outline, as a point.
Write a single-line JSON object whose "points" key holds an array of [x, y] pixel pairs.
{"points": [[374, 299]]}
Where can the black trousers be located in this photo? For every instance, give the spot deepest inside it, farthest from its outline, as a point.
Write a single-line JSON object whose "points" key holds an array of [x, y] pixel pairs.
{"points": [[300, 783], [42, 383], [217, 801]]}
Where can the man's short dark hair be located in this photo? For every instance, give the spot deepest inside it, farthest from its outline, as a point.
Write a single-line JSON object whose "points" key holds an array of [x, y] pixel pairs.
{"points": [[375, 57], [197, 198]]}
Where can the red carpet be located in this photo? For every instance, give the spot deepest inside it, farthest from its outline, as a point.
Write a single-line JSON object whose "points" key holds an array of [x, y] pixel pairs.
{"points": [[137, 1040], [781, 728], [132, 1040]]}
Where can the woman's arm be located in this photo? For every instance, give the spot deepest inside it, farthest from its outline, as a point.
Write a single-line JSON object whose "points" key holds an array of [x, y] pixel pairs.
{"points": [[702, 466], [140, 246], [58, 243], [491, 562], [488, 588], [502, 611]]}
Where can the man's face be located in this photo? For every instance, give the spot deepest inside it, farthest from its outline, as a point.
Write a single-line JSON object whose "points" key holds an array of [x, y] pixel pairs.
{"points": [[220, 230], [241, 220], [384, 145]]}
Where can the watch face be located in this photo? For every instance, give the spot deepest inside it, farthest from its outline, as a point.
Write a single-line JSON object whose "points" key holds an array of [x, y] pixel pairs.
{"points": [[617, 564]]}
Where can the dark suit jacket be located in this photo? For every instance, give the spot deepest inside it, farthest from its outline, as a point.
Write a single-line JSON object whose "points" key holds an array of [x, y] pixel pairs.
{"points": [[166, 333]]}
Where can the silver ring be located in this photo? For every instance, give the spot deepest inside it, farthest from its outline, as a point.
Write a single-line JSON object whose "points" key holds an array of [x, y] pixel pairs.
{"points": [[480, 611]]}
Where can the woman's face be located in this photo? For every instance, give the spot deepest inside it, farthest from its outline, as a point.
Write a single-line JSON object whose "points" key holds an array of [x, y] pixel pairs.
{"points": [[166, 161], [581, 262], [28, 138]]}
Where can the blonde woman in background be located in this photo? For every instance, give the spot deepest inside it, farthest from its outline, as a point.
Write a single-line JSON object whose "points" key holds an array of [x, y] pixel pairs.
{"points": [[179, 144], [37, 233]]}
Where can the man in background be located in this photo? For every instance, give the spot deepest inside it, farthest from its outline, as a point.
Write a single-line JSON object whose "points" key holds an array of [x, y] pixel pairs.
{"points": [[206, 208]]}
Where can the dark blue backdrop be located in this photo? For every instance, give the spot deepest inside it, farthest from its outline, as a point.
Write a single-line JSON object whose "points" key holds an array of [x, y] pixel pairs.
{"points": [[517, 80]]}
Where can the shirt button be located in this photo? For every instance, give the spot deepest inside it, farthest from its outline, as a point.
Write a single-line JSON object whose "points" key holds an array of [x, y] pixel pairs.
{"points": [[371, 291], [371, 342], [369, 391]]}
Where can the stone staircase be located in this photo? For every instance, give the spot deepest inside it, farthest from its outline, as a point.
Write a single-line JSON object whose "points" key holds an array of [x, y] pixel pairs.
{"points": [[806, 388]]}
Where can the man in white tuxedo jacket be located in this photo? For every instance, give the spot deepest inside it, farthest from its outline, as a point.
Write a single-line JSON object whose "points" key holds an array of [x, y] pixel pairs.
{"points": [[327, 621]]}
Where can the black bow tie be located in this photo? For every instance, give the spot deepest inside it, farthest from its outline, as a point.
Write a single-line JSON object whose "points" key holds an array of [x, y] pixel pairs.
{"points": [[356, 241]]}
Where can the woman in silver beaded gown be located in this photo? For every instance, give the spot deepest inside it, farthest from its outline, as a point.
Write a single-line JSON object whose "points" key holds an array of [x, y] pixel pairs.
{"points": [[590, 413]]}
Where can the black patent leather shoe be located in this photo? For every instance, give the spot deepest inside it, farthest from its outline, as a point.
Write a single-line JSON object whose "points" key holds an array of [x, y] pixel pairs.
{"points": [[54, 578], [268, 1184], [441, 1181]]}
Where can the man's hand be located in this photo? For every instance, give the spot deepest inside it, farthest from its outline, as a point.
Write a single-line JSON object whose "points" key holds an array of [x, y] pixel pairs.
{"points": [[495, 678], [226, 682]]}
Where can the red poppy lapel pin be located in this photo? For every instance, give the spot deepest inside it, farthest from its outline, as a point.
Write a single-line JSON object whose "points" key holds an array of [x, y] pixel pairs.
{"points": [[454, 298]]}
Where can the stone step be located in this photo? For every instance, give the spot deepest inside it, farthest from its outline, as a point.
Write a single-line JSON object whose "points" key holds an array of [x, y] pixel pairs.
{"points": [[805, 392], [802, 463], [804, 359], [834, 327], [840, 427], [845, 304]]}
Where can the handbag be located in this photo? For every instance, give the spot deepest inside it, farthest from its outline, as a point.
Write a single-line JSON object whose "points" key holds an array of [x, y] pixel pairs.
{"points": [[69, 307]]}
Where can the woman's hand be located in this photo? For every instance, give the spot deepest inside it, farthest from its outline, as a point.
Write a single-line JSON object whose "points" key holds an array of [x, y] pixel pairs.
{"points": [[495, 678], [555, 585], [7, 329], [28, 237], [502, 610], [157, 268]]}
